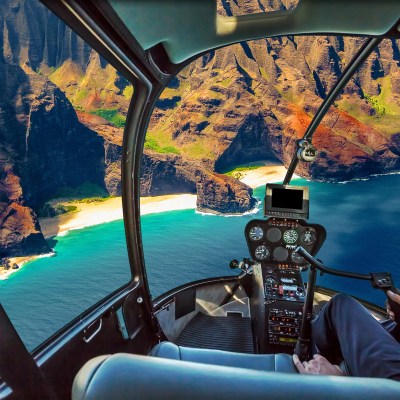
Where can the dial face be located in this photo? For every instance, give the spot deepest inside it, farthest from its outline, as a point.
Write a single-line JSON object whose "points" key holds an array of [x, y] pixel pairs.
{"points": [[297, 258], [256, 233], [290, 236], [308, 237], [262, 252], [274, 235], [280, 254]]}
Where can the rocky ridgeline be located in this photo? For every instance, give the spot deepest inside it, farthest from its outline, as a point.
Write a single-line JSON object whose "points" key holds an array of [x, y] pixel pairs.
{"points": [[253, 101]]}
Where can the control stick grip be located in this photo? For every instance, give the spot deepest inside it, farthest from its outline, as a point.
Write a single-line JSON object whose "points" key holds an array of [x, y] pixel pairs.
{"points": [[395, 307], [384, 281]]}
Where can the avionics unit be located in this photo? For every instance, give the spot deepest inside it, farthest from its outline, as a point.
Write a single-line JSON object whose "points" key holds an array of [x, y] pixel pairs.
{"points": [[286, 201]]}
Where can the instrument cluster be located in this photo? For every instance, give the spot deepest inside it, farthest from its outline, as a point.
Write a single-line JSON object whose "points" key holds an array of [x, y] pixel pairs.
{"points": [[275, 239]]}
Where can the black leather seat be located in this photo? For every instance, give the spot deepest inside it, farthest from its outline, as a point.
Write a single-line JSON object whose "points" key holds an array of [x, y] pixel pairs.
{"points": [[259, 362], [131, 377]]}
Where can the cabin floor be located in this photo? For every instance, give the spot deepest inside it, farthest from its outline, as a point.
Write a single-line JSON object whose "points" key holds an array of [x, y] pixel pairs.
{"points": [[231, 333]]}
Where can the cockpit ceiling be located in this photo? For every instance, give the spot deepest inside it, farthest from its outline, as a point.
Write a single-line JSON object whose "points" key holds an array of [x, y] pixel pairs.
{"points": [[190, 27]]}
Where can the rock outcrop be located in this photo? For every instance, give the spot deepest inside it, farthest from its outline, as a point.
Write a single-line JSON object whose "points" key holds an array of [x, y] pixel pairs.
{"points": [[218, 193], [19, 228]]}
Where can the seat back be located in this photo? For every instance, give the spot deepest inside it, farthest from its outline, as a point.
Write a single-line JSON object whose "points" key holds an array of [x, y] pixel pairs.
{"points": [[130, 377]]}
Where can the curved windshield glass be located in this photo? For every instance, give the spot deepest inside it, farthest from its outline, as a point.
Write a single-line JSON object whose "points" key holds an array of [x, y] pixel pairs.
{"points": [[62, 112], [228, 124]]}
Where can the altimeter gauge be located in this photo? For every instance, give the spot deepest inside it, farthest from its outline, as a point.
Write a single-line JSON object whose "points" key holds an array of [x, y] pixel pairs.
{"points": [[256, 233], [290, 236], [262, 252]]}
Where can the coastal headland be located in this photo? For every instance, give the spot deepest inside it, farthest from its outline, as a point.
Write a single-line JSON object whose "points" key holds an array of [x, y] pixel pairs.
{"points": [[94, 213]]}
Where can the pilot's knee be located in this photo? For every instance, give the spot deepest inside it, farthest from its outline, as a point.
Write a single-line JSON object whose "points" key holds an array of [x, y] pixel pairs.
{"points": [[341, 299]]}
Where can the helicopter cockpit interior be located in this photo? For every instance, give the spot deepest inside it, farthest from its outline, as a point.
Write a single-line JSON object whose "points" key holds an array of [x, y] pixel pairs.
{"points": [[113, 93]]}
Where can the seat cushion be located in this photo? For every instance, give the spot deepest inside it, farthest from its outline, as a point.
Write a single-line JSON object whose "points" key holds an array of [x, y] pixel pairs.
{"points": [[132, 377], [259, 362]]}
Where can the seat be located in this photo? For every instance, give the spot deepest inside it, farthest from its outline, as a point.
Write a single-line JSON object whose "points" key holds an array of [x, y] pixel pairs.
{"points": [[259, 362], [132, 377]]}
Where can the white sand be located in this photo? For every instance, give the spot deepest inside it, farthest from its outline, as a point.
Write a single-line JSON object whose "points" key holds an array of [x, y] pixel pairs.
{"points": [[265, 174]]}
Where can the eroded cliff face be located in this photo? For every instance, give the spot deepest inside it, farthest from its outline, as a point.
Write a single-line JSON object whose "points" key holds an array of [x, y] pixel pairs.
{"points": [[252, 101], [43, 147], [19, 228], [32, 35]]}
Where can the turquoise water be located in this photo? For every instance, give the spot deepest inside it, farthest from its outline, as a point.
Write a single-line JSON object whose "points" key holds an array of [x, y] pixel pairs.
{"points": [[361, 218]]}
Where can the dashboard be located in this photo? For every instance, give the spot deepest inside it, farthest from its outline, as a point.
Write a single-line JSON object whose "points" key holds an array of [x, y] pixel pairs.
{"points": [[274, 240]]}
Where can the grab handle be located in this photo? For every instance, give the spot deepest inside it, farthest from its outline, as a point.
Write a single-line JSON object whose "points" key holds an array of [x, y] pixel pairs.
{"points": [[91, 336]]}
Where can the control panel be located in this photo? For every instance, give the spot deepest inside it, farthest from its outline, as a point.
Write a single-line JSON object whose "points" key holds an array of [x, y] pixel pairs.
{"points": [[283, 324], [275, 239], [284, 296], [278, 290]]}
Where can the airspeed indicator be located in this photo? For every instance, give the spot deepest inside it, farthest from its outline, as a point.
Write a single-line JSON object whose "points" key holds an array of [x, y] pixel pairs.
{"points": [[262, 252]]}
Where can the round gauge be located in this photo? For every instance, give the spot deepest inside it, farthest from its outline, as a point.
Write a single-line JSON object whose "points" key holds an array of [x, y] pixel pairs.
{"points": [[270, 269], [262, 252], [256, 233], [270, 281], [308, 237], [290, 236], [297, 258], [274, 234], [280, 254]]}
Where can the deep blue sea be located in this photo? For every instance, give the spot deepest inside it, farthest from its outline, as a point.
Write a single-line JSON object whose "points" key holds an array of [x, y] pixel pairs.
{"points": [[362, 219]]}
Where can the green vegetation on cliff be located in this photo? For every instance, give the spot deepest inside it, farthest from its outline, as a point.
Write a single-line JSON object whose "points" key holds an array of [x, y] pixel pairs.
{"points": [[111, 115], [237, 173], [152, 144]]}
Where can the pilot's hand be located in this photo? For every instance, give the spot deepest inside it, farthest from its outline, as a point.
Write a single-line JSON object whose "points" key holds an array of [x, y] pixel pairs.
{"points": [[394, 297], [318, 365]]}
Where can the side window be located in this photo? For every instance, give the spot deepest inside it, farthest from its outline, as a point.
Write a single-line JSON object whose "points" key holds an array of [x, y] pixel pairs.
{"points": [[63, 109], [228, 124]]}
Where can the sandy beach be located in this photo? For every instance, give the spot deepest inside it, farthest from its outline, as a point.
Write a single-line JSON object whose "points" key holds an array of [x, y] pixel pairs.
{"points": [[262, 175], [95, 213]]}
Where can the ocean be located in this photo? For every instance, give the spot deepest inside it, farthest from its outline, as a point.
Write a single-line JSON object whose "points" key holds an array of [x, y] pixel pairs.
{"points": [[361, 219]]}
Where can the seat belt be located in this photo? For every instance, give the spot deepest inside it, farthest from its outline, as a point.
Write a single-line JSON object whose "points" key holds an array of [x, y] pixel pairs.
{"points": [[17, 366]]}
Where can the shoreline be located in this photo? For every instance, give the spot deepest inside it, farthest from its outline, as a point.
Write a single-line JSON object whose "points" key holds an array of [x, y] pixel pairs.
{"points": [[91, 214]]}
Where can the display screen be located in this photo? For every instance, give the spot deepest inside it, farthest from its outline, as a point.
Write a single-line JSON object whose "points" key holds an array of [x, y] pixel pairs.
{"points": [[287, 340], [283, 198], [286, 201]]}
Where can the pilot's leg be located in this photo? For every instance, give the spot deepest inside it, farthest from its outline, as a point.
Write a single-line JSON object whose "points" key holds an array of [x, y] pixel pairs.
{"points": [[392, 328], [344, 328]]}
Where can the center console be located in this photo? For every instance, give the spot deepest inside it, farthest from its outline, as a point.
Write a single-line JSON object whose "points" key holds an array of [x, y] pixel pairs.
{"points": [[278, 291]]}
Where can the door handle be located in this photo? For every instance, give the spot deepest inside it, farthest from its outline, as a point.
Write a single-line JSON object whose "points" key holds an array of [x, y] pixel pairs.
{"points": [[95, 331]]}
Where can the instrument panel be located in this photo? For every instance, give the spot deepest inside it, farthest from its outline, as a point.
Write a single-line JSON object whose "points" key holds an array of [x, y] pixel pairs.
{"points": [[274, 240]]}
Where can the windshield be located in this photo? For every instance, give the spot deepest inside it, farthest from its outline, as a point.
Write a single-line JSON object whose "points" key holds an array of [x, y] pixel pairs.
{"points": [[237, 112]]}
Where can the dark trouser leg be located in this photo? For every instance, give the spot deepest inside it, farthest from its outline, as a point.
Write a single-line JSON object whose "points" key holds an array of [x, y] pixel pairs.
{"points": [[344, 328]]}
